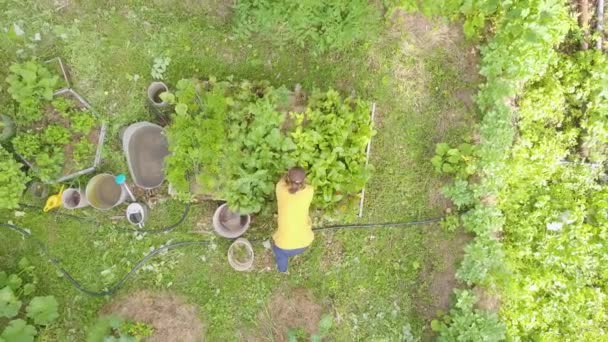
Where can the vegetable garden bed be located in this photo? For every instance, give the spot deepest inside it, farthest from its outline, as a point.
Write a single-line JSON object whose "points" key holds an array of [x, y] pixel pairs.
{"points": [[57, 135], [233, 140]]}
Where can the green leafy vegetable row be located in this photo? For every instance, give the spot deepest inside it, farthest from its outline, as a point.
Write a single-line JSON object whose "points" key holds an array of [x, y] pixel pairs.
{"points": [[47, 124], [520, 53]]}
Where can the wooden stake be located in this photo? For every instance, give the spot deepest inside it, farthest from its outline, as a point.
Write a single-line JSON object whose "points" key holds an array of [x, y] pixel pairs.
{"points": [[369, 146]]}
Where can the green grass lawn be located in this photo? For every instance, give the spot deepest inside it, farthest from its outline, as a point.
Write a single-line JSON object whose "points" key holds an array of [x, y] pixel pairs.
{"points": [[375, 283]]}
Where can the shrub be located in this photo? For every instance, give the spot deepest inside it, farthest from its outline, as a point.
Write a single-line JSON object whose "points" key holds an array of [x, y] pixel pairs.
{"points": [[465, 323]]}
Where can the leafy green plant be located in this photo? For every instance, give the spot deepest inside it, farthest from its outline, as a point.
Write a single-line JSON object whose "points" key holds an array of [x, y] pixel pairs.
{"points": [[19, 331], [137, 329], [29, 84], [450, 222], [320, 25], [483, 262], [44, 143], [298, 334], [27, 144], [56, 135], [82, 121], [465, 323], [459, 161], [460, 193], [519, 54], [160, 67], [12, 180], [330, 139], [82, 152], [196, 137], [62, 105], [115, 329], [41, 310], [265, 154], [49, 163], [230, 138]]}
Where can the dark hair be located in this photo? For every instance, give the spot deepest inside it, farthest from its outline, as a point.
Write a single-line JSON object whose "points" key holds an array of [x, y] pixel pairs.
{"points": [[296, 176]]}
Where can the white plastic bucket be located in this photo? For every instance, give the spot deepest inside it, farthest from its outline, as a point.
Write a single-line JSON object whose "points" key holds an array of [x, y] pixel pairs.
{"points": [[103, 193], [73, 199], [238, 226], [237, 263]]}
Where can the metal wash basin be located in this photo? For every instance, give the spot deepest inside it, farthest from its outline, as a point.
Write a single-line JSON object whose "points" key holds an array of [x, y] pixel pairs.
{"points": [[145, 147]]}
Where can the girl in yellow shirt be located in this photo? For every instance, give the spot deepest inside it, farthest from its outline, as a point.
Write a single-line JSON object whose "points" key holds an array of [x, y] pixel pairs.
{"points": [[294, 233]]}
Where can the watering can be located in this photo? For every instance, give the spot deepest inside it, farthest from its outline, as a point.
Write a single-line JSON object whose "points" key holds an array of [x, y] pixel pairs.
{"points": [[53, 201]]}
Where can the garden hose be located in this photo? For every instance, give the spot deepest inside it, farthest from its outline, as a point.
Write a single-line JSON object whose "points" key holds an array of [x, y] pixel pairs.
{"points": [[118, 285], [126, 230], [377, 225]]}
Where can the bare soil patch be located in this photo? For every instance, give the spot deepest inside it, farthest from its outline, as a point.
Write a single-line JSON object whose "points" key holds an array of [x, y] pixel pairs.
{"points": [[437, 200], [424, 33], [172, 318], [264, 261], [289, 309], [486, 300], [333, 253]]}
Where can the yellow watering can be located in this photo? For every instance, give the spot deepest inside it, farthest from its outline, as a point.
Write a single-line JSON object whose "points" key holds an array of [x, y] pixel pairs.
{"points": [[53, 201]]}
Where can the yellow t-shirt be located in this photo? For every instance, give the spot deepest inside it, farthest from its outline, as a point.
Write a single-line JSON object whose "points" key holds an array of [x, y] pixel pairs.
{"points": [[295, 228]]}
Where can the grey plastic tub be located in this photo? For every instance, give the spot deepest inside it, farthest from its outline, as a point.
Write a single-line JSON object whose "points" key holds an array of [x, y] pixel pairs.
{"points": [[146, 147]]}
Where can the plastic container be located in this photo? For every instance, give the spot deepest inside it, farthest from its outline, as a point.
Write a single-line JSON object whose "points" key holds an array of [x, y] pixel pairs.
{"points": [[73, 198], [154, 91], [137, 213], [103, 193], [229, 224], [240, 255], [145, 146]]}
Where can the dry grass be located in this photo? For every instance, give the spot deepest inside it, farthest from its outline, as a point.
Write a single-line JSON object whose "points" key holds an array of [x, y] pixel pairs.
{"points": [[172, 318], [289, 309]]}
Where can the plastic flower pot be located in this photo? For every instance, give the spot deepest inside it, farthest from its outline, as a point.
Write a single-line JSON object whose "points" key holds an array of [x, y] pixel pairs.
{"points": [[73, 199], [240, 255], [159, 107], [229, 224], [7, 128], [103, 193], [154, 91]]}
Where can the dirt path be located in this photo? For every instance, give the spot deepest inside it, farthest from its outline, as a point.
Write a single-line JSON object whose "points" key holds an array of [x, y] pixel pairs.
{"points": [[437, 70]]}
